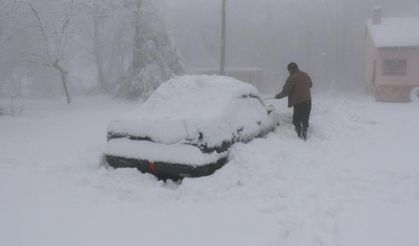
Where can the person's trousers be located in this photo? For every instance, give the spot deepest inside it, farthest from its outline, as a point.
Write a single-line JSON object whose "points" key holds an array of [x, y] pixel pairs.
{"points": [[301, 117]]}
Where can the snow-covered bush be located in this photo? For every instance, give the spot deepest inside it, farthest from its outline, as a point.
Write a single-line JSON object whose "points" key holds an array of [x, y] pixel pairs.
{"points": [[154, 60]]}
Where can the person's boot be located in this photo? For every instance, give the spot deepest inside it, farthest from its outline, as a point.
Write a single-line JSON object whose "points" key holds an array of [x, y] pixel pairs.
{"points": [[298, 131], [304, 133]]}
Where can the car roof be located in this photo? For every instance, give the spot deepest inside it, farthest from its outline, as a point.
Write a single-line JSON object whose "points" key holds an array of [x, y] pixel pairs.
{"points": [[189, 97]]}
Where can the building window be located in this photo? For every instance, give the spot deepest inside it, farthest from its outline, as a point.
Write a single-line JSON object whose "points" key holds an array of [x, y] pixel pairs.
{"points": [[394, 67]]}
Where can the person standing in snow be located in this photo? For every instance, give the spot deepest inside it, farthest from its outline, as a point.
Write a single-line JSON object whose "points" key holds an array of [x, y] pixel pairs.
{"points": [[297, 88]]}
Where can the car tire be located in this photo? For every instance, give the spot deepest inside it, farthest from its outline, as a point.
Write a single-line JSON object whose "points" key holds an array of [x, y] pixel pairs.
{"points": [[414, 95]]}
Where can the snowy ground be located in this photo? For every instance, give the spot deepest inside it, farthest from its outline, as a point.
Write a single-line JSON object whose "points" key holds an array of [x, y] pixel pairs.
{"points": [[355, 182]]}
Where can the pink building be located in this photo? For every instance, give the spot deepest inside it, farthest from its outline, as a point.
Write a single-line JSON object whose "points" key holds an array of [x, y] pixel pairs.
{"points": [[392, 56]]}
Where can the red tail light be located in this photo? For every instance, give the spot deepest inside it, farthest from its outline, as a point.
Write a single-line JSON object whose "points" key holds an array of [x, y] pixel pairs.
{"points": [[152, 167]]}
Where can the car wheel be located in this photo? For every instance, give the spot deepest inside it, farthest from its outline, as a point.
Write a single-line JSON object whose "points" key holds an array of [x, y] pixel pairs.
{"points": [[414, 95]]}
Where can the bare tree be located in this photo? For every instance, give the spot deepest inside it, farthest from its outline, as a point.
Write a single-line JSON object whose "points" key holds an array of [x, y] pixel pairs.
{"points": [[55, 36], [100, 12], [97, 23], [108, 34]]}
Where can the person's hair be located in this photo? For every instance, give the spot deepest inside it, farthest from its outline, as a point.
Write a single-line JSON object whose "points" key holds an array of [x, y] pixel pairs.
{"points": [[292, 67]]}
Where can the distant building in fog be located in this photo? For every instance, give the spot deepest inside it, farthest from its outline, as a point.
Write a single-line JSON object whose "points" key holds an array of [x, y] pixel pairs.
{"points": [[392, 56]]}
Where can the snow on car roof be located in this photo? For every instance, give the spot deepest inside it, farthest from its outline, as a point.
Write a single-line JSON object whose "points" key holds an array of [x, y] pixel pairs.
{"points": [[190, 96], [395, 32], [184, 106]]}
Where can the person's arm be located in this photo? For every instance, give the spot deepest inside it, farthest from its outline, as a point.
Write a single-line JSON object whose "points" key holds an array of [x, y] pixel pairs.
{"points": [[286, 89]]}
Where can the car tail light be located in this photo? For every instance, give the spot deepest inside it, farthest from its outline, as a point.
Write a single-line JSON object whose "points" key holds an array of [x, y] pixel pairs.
{"points": [[152, 167]]}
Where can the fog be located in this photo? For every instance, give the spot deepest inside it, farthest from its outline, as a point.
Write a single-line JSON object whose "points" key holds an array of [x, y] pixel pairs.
{"points": [[55, 48], [337, 168], [325, 37]]}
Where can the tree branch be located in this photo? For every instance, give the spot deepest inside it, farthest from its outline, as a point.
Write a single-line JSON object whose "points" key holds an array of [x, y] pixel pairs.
{"points": [[43, 31]]}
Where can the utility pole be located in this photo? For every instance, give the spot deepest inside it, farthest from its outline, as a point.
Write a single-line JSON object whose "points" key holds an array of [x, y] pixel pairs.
{"points": [[136, 59], [223, 37]]}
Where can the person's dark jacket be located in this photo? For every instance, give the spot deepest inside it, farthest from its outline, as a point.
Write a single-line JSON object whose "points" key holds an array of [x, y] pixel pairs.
{"points": [[297, 88]]}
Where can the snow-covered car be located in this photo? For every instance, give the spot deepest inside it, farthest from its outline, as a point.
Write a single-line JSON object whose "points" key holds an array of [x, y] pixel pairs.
{"points": [[187, 126]]}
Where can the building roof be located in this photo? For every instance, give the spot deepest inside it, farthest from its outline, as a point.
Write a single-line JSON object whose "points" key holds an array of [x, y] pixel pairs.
{"points": [[395, 32]]}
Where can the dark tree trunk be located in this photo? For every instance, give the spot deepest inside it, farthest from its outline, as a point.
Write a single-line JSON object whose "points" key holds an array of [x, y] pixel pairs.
{"points": [[98, 57], [63, 74]]}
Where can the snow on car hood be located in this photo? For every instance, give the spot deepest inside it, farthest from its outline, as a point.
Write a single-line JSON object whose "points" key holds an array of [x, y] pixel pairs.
{"points": [[186, 106]]}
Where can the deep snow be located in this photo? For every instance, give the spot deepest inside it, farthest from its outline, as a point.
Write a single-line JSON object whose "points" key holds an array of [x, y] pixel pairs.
{"points": [[354, 182]]}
